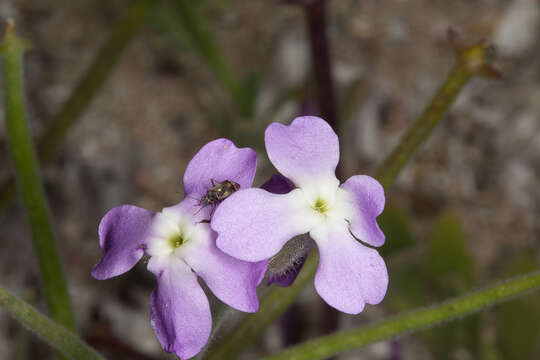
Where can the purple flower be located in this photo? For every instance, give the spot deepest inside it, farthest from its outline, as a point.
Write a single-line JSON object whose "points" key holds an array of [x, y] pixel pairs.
{"points": [[254, 224], [181, 246]]}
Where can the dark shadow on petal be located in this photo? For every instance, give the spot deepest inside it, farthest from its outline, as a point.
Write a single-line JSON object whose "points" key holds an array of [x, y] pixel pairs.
{"points": [[278, 184]]}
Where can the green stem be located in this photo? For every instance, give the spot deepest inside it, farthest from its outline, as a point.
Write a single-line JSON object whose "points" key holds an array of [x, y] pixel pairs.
{"points": [[86, 90], [60, 338], [471, 61], [423, 126], [413, 321], [474, 60], [29, 181]]}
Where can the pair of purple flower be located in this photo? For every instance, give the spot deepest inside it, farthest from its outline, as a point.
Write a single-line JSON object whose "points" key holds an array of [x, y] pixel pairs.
{"points": [[229, 249]]}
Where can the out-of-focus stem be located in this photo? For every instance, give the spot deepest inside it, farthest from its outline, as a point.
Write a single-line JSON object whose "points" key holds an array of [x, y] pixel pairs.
{"points": [[316, 15], [29, 180], [86, 90], [57, 336], [471, 61], [413, 321], [423, 126], [320, 57]]}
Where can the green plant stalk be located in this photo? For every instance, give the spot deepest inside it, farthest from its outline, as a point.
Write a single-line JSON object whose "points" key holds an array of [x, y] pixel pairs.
{"points": [[57, 336], [413, 321], [88, 87], [423, 126], [201, 38], [253, 325], [29, 181], [471, 61]]}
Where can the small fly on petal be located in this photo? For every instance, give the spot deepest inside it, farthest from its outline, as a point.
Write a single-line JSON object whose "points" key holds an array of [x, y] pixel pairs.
{"points": [[217, 193]]}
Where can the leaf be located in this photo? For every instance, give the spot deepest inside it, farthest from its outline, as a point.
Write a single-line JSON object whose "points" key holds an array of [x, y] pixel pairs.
{"points": [[395, 225], [448, 261], [408, 289], [449, 270], [518, 324]]}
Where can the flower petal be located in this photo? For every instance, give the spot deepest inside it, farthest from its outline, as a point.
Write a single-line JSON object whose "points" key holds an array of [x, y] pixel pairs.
{"points": [[367, 198], [122, 234], [219, 160], [305, 151], [188, 210], [349, 274], [253, 224], [278, 184], [233, 281], [179, 310]]}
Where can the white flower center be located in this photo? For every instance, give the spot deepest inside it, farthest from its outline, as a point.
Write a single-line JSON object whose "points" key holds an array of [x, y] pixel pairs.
{"points": [[320, 206], [177, 239], [327, 202], [171, 232]]}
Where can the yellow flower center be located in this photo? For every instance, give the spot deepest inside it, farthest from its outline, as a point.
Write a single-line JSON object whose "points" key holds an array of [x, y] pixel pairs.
{"points": [[176, 240], [320, 206]]}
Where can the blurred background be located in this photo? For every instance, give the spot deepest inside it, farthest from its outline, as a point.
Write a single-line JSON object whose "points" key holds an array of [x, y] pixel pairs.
{"points": [[463, 213]]}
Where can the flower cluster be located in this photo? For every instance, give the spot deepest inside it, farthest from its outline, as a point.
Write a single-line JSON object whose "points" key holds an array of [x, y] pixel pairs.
{"points": [[181, 246], [227, 240]]}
